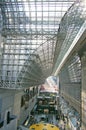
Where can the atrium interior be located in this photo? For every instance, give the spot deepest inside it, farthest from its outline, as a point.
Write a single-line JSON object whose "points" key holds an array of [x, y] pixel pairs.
{"points": [[42, 44]]}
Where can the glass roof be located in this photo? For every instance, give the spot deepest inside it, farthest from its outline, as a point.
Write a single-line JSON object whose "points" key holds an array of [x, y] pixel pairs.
{"points": [[28, 39], [72, 26]]}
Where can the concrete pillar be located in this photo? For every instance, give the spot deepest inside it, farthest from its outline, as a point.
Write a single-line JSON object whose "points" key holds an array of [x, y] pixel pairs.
{"points": [[1, 52], [83, 93]]}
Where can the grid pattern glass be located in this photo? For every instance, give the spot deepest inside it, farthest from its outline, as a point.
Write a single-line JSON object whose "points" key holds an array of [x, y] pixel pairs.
{"points": [[70, 78], [29, 33], [70, 25], [75, 69]]}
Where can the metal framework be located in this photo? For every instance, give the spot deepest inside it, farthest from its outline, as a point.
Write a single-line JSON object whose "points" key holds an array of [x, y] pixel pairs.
{"points": [[70, 81], [28, 38], [72, 26]]}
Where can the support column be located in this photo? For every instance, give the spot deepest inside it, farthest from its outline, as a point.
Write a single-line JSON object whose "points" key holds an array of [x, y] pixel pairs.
{"points": [[83, 93]]}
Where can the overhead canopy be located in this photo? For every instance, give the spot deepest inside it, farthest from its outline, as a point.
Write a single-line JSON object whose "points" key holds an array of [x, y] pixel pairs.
{"points": [[29, 31]]}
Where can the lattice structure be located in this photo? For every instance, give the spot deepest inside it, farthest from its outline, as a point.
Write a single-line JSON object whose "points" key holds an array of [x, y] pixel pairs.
{"points": [[72, 26], [29, 31], [70, 81]]}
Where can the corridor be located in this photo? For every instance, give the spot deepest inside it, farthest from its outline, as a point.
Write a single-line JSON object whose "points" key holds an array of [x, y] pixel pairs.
{"points": [[42, 42]]}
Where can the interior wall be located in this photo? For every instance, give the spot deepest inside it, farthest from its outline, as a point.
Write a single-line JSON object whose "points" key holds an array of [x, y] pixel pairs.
{"points": [[83, 99], [70, 84]]}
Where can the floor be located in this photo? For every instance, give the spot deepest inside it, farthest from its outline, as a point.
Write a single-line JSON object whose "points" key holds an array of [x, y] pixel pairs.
{"points": [[47, 118]]}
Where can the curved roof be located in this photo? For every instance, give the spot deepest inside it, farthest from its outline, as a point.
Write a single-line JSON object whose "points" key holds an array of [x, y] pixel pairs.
{"points": [[31, 38]]}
